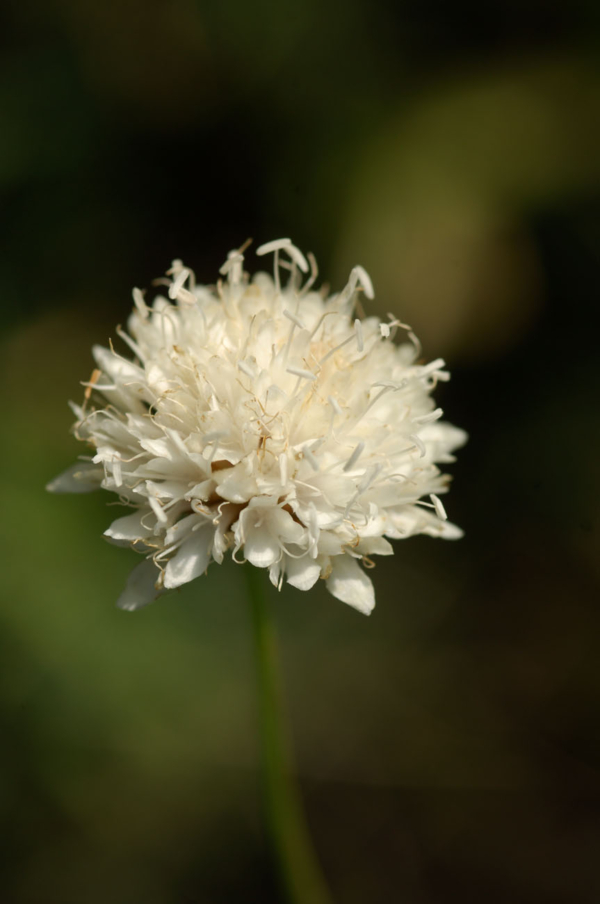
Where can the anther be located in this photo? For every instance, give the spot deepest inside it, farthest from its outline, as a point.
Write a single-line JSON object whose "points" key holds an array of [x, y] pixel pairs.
{"points": [[354, 457], [245, 368], [295, 320], [303, 374], [359, 334], [283, 468], [335, 405], [438, 506], [311, 459], [429, 418], [420, 445], [140, 304]]}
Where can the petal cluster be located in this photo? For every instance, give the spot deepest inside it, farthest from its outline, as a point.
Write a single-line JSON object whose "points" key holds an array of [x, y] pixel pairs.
{"points": [[263, 418]]}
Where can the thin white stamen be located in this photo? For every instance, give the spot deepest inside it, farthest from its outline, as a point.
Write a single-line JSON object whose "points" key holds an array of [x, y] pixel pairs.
{"points": [[390, 384], [99, 386], [314, 272], [415, 341], [276, 273], [336, 349], [130, 342]]}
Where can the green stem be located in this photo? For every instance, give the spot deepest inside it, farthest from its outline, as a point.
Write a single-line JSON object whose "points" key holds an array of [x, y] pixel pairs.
{"points": [[298, 868]]}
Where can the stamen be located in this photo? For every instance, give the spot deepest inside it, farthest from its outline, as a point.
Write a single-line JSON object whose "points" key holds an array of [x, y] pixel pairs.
{"points": [[233, 267], [117, 472], [386, 387], [313, 462], [365, 282], [359, 334], [130, 342], [275, 245], [332, 351], [297, 257], [358, 277], [334, 404], [140, 304], [419, 444], [179, 281], [368, 479], [245, 368], [314, 272], [212, 439], [429, 418], [415, 341], [390, 384], [430, 368], [439, 508], [295, 320], [157, 509], [354, 457], [283, 468], [299, 372], [98, 386]]}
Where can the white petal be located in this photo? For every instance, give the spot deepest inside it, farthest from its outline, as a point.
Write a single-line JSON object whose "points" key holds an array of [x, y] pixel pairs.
{"points": [[283, 525], [118, 369], [190, 560], [79, 478], [261, 548], [375, 546], [330, 544], [302, 573], [140, 588], [449, 531], [274, 573], [179, 531], [237, 485], [350, 584], [125, 530]]}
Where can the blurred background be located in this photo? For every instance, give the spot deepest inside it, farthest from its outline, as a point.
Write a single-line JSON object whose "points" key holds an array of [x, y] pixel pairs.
{"points": [[448, 747]]}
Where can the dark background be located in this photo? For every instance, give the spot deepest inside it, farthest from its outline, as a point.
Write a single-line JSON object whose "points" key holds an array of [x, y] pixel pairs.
{"points": [[448, 746]]}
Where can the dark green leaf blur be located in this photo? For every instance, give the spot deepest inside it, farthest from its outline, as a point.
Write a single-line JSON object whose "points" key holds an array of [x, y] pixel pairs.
{"points": [[448, 747]]}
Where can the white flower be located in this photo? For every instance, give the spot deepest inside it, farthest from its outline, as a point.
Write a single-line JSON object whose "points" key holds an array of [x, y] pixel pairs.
{"points": [[267, 420]]}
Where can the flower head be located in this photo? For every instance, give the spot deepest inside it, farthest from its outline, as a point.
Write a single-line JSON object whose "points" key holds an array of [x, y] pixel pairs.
{"points": [[268, 420]]}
